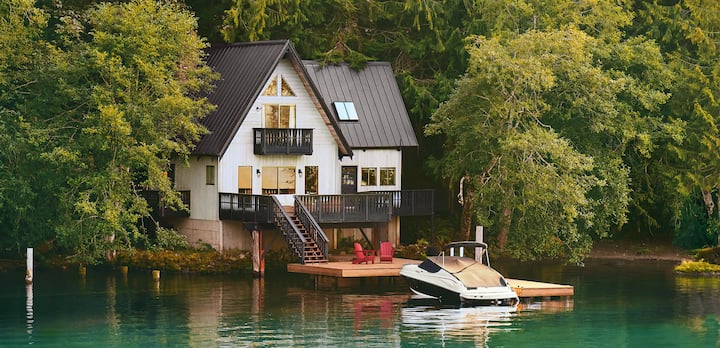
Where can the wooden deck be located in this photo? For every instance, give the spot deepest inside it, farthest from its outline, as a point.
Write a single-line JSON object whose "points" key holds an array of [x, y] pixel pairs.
{"points": [[347, 270]]}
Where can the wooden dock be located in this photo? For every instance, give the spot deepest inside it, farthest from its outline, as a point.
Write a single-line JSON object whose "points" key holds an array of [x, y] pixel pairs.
{"points": [[337, 273]]}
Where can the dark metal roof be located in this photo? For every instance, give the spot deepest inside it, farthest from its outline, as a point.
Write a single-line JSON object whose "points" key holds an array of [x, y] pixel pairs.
{"points": [[244, 68], [383, 121]]}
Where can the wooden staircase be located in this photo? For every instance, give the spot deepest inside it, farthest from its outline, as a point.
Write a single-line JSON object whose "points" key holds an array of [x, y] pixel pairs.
{"points": [[301, 242], [313, 254]]}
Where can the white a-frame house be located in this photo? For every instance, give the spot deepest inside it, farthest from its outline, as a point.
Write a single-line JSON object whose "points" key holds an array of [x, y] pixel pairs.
{"points": [[308, 152]]}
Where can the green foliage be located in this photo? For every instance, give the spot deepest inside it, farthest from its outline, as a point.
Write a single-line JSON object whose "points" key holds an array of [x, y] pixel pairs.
{"points": [[169, 239], [416, 251], [231, 261], [697, 267], [569, 117], [107, 101], [694, 229]]}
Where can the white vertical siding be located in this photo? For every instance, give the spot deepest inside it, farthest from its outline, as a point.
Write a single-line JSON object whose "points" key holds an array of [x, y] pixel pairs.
{"points": [[376, 158], [325, 149], [203, 197]]}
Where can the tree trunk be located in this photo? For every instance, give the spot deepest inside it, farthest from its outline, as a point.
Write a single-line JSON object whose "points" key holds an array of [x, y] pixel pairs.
{"points": [[504, 227], [709, 203], [466, 218]]}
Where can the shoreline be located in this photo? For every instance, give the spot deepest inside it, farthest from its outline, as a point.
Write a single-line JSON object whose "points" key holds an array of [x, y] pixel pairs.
{"points": [[630, 251]]}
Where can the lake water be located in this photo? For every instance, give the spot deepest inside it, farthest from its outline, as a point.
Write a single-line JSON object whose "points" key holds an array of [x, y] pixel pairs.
{"points": [[616, 304]]}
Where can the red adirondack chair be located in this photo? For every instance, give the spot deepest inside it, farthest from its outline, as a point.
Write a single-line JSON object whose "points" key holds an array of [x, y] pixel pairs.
{"points": [[386, 252], [363, 256]]}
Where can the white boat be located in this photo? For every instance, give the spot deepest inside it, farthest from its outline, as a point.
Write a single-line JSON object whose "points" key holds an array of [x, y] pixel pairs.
{"points": [[453, 278]]}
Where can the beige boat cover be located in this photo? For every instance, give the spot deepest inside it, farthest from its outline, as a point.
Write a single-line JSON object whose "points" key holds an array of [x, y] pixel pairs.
{"points": [[472, 273]]}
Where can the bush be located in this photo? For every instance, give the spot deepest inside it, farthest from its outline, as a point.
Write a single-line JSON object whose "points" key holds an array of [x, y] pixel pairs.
{"points": [[694, 229], [697, 267], [188, 261], [417, 251], [169, 239]]}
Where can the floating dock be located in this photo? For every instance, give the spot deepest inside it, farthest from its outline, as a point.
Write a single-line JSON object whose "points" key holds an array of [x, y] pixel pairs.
{"points": [[342, 273]]}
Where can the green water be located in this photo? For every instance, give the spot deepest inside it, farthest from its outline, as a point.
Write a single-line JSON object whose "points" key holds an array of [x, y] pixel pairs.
{"points": [[631, 304]]}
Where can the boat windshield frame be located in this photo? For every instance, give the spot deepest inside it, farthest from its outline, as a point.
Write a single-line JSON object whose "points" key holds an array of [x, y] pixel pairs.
{"points": [[467, 245]]}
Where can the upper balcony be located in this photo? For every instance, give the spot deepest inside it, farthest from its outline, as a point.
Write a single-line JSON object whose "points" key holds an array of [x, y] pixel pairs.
{"points": [[283, 141]]}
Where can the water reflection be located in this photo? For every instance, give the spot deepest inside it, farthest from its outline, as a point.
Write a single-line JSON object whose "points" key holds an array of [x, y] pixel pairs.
{"points": [[471, 323], [628, 305], [29, 315], [703, 305]]}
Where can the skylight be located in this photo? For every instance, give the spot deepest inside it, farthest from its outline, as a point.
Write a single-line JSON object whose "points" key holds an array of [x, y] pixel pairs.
{"points": [[346, 111]]}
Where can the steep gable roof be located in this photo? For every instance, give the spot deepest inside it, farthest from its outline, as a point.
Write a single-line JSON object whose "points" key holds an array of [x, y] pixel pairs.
{"points": [[382, 121], [244, 68]]}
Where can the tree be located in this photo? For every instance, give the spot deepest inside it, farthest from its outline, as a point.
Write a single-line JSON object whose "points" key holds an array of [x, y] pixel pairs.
{"points": [[541, 124], [688, 169], [25, 60], [117, 105]]}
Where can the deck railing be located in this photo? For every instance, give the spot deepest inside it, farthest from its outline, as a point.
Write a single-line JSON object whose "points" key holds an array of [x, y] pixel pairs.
{"points": [[256, 208], [362, 207], [348, 208], [412, 202], [288, 141]]}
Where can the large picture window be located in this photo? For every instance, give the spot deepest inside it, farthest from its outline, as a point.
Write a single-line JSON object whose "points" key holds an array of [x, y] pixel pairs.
{"points": [[278, 180], [279, 116]]}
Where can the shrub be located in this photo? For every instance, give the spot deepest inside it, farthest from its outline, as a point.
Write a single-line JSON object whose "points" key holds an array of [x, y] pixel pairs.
{"points": [[700, 266], [190, 261], [417, 251]]}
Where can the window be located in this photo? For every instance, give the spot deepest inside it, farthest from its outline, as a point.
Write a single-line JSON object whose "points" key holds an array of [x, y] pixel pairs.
{"points": [[311, 180], [279, 116], [245, 180], [209, 175], [346, 111], [278, 180], [272, 89], [368, 177], [387, 176]]}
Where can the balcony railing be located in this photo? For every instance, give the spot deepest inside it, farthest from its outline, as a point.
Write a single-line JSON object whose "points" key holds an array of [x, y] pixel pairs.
{"points": [[283, 141], [160, 210]]}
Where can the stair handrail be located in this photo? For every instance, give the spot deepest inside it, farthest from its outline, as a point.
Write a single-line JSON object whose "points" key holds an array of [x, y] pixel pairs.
{"points": [[312, 227], [293, 236]]}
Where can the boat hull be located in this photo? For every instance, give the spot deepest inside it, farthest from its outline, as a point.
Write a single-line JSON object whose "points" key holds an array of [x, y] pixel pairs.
{"points": [[447, 289]]}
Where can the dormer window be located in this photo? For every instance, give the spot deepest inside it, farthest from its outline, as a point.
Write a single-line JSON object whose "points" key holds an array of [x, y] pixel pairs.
{"points": [[272, 89], [346, 111]]}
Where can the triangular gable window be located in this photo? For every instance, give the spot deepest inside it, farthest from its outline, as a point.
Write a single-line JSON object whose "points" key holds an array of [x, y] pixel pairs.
{"points": [[346, 111], [272, 89], [286, 90]]}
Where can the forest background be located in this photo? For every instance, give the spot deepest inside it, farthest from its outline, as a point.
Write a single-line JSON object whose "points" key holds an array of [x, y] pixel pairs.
{"points": [[560, 122]]}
